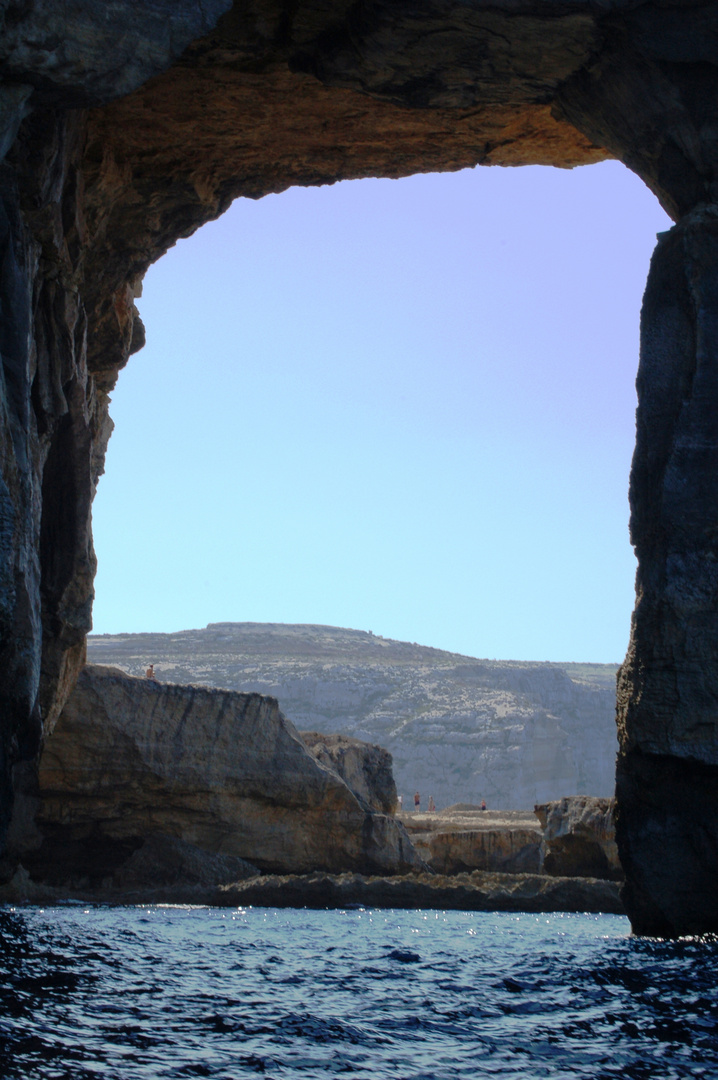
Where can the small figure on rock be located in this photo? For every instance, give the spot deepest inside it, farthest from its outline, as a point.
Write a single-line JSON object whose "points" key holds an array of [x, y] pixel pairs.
{"points": [[417, 802], [432, 805], [400, 803], [483, 804], [150, 673]]}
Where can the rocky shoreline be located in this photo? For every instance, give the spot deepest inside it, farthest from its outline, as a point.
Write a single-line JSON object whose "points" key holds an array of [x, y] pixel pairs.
{"points": [[478, 891], [152, 793]]}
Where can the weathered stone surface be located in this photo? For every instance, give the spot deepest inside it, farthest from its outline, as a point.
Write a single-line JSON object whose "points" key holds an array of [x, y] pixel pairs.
{"points": [[667, 789], [274, 95], [460, 839], [81, 52], [132, 762], [462, 892], [649, 94], [364, 768], [579, 838]]}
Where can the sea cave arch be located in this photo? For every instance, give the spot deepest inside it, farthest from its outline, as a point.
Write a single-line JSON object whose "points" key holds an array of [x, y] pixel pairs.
{"points": [[408, 394], [122, 133]]}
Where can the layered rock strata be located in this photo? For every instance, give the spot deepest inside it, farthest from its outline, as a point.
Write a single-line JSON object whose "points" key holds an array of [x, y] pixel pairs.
{"points": [[579, 838], [462, 838], [138, 775], [457, 727], [123, 129]]}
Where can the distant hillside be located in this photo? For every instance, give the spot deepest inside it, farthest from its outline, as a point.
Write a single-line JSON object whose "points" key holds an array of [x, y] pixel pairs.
{"points": [[458, 728]]}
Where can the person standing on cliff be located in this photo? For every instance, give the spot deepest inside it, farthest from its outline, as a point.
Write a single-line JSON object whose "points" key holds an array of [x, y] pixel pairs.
{"points": [[417, 802], [432, 805], [150, 673]]}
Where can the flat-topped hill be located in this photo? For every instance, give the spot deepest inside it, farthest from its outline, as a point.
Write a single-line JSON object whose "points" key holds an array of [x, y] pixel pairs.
{"points": [[459, 728]]}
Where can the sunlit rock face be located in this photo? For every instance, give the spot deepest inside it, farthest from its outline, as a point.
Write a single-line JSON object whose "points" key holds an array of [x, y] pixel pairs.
{"points": [[457, 728], [363, 767], [132, 759], [465, 838], [124, 128]]}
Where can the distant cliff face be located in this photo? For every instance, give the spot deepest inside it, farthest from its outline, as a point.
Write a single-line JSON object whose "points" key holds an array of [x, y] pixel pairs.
{"points": [[132, 759], [457, 728]]}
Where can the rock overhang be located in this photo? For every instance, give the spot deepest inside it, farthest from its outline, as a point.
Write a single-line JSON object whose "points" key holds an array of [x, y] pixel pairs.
{"points": [[125, 133]]}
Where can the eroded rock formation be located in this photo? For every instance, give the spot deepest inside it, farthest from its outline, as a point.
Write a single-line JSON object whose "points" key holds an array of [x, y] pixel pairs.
{"points": [[136, 770], [579, 838], [124, 128], [478, 891], [462, 838], [364, 768], [457, 728]]}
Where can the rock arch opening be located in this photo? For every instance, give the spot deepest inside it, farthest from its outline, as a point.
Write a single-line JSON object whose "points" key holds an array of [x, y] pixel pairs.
{"points": [[424, 419], [119, 135]]}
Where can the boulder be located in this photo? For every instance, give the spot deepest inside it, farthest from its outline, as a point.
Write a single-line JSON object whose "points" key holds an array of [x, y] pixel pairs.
{"points": [[579, 838], [364, 767], [136, 769]]}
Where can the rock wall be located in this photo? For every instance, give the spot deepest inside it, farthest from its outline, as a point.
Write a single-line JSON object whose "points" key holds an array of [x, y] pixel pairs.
{"points": [[365, 769], [667, 777], [576, 839], [461, 839], [132, 760], [123, 129]]}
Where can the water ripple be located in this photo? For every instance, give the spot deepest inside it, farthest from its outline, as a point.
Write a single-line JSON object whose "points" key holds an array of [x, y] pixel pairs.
{"points": [[150, 993]]}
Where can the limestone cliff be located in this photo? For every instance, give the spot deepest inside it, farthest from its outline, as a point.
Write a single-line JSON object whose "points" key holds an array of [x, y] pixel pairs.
{"points": [[364, 768], [132, 759], [124, 127], [457, 728]]}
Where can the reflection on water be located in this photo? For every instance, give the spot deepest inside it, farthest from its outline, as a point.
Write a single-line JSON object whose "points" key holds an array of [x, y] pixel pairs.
{"points": [[160, 992]]}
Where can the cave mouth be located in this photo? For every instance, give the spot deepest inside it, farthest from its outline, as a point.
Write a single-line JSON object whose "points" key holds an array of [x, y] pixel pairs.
{"points": [[398, 404]]}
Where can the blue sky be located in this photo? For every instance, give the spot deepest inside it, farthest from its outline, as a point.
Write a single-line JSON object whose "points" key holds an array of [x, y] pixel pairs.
{"points": [[404, 406]]}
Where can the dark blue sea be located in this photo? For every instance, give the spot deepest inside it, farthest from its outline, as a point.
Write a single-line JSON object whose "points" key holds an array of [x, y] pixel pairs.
{"points": [[174, 992]]}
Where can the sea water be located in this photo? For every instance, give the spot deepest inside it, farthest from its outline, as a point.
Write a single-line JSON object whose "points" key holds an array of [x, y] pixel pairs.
{"points": [[147, 993]]}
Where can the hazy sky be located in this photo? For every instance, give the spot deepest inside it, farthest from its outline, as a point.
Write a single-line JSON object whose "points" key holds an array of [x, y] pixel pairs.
{"points": [[399, 406]]}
